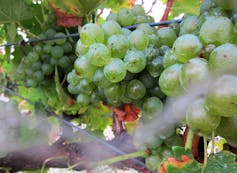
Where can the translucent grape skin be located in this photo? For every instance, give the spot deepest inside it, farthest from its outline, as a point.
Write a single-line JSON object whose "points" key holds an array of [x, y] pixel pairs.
{"points": [[138, 40], [99, 54], [115, 71], [136, 89], [135, 61], [91, 33], [119, 45]]}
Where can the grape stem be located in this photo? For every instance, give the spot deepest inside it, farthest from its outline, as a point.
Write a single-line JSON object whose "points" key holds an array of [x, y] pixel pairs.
{"points": [[112, 160], [205, 154], [119, 158], [212, 142], [188, 144]]}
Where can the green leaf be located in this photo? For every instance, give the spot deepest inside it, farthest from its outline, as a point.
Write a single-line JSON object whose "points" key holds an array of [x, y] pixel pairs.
{"points": [[221, 162], [178, 151], [97, 117], [184, 6], [12, 10], [11, 31]]}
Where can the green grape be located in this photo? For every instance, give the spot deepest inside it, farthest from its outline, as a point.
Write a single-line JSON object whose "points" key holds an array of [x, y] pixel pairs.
{"points": [[60, 41], [119, 45], [166, 130], [216, 30], [227, 129], [45, 58], [190, 25], [36, 65], [99, 78], [223, 59], [110, 28], [150, 53], [125, 32], [81, 49], [199, 119], [194, 71], [38, 49], [156, 92], [169, 58], [73, 78], [83, 100], [187, 46], [146, 28], [155, 67], [86, 86], [221, 97], [95, 98], [129, 76], [141, 19], [73, 89], [153, 40], [50, 33], [38, 76], [112, 16], [138, 9], [126, 17], [207, 5], [147, 79], [30, 83], [169, 81], [163, 49], [138, 40], [47, 69], [47, 48], [32, 57], [135, 61], [29, 71], [67, 47], [150, 19], [135, 89], [57, 52], [53, 61], [99, 54], [91, 33], [64, 61], [84, 68], [166, 36], [152, 105], [114, 102], [113, 91], [115, 71]]}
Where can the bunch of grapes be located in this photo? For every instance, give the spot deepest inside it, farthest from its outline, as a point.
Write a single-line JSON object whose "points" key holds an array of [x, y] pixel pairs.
{"points": [[39, 64], [117, 66], [205, 53]]}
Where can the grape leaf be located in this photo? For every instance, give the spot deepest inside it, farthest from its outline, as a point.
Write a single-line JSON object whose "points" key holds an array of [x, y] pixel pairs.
{"points": [[12, 10], [221, 162], [97, 117], [184, 6]]}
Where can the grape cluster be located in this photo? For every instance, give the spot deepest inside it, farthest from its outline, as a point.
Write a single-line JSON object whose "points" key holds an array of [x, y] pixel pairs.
{"points": [[205, 51], [39, 63], [117, 66]]}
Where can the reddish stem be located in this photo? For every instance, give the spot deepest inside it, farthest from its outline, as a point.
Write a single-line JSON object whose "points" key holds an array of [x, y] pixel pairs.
{"points": [[169, 5]]}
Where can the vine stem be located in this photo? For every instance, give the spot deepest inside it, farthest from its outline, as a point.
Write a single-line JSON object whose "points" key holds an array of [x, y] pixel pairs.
{"points": [[205, 154], [119, 158], [189, 140], [50, 159], [169, 5], [113, 159]]}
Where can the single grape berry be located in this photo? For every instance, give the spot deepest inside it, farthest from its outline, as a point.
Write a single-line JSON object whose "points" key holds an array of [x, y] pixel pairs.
{"points": [[136, 89], [115, 71]]}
